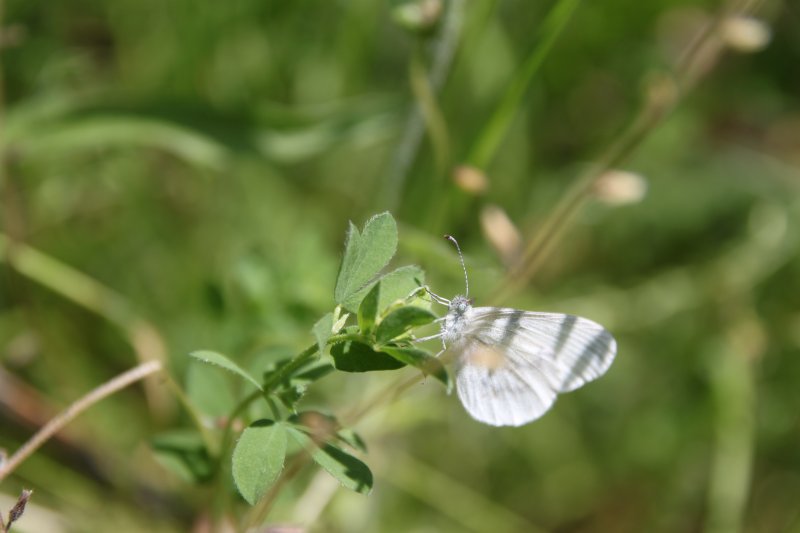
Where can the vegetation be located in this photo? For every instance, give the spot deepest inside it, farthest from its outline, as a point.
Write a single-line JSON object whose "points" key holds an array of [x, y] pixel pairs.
{"points": [[192, 337]]}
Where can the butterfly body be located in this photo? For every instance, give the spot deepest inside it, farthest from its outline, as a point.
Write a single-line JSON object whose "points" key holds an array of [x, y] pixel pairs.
{"points": [[456, 320]]}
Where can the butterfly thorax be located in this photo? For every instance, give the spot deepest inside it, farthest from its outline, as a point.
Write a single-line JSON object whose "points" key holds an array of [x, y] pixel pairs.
{"points": [[455, 322]]}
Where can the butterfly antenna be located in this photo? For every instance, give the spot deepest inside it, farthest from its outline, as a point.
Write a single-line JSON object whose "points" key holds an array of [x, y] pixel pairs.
{"points": [[463, 266]]}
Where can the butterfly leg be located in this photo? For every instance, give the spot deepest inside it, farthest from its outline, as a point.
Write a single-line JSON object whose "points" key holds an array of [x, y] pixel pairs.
{"points": [[431, 337], [438, 299], [428, 338], [421, 288], [435, 297]]}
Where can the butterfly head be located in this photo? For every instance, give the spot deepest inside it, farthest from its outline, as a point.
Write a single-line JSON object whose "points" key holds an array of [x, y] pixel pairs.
{"points": [[459, 306]]}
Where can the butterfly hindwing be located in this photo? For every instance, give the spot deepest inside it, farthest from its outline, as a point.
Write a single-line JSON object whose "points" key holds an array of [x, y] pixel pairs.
{"points": [[503, 387]]}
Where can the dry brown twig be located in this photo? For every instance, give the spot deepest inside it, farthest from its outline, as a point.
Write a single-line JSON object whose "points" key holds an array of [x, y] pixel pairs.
{"points": [[65, 417]]}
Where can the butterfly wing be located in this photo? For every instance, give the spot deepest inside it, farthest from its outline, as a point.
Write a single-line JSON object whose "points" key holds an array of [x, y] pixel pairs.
{"points": [[503, 386], [511, 364]]}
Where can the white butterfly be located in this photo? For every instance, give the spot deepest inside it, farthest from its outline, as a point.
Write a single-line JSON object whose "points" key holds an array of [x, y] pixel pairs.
{"points": [[510, 365]]}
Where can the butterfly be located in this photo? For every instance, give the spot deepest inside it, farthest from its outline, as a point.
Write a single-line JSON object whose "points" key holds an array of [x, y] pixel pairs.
{"points": [[511, 364]]}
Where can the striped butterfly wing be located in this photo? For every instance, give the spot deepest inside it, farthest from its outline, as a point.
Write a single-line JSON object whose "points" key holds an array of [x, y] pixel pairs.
{"points": [[511, 364]]}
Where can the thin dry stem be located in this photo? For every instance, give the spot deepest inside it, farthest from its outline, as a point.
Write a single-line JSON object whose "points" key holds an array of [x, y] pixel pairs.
{"points": [[663, 95], [56, 424]]}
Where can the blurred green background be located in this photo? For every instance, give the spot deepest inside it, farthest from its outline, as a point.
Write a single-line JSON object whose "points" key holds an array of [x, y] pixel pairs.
{"points": [[198, 162]]}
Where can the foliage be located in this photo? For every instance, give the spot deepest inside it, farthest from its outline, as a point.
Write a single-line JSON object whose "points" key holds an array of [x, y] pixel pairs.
{"points": [[379, 341], [176, 178]]}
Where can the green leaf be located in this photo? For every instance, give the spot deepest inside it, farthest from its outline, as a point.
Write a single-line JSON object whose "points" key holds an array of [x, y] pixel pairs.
{"points": [[348, 470], [365, 255], [399, 283], [352, 473], [352, 439], [423, 360], [319, 371], [353, 356], [214, 358], [368, 310], [322, 331], [352, 249], [395, 285], [209, 390], [184, 453], [258, 458], [401, 320]]}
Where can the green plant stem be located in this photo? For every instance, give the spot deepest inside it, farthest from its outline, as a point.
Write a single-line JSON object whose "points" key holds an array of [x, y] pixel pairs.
{"points": [[259, 513], [733, 383], [297, 362], [273, 407], [238, 410], [431, 112], [222, 493], [443, 52], [210, 442], [485, 148]]}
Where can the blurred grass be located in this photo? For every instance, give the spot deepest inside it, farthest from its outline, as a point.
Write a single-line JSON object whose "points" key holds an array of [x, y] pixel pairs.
{"points": [[201, 160]]}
